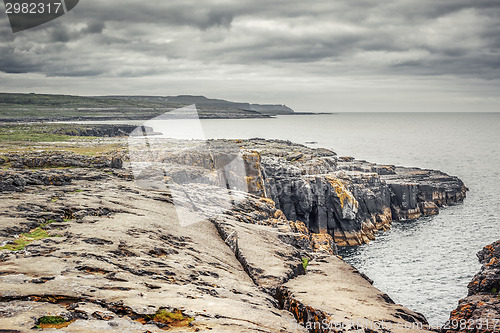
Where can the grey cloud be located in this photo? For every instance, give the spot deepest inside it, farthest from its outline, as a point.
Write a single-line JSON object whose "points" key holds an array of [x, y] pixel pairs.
{"points": [[393, 37], [94, 27], [60, 35], [72, 72], [175, 13]]}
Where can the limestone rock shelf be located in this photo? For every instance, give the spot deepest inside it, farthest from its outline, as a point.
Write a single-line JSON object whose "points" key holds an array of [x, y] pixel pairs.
{"points": [[83, 242]]}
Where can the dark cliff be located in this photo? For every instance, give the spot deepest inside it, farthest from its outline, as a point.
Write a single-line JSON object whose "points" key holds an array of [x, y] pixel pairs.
{"points": [[345, 198]]}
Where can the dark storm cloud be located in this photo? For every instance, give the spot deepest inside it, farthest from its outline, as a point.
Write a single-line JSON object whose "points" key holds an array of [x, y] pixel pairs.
{"points": [[171, 13], [136, 38], [94, 27], [60, 35]]}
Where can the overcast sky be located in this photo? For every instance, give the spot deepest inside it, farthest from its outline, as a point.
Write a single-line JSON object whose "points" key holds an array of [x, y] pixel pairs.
{"points": [[330, 56]]}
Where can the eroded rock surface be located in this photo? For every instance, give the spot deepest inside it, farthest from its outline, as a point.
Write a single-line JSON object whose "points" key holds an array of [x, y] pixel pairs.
{"points": [[89, 246], [121, 257], [348, 199]]}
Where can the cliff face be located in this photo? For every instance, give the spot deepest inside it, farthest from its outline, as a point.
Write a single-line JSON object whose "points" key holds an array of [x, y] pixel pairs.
{"points": [[351, 199], [345, 198], [272, 109], [480, 310]]}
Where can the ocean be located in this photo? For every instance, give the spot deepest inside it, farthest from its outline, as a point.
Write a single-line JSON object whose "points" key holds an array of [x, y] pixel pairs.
{"points": [[424, 264]]}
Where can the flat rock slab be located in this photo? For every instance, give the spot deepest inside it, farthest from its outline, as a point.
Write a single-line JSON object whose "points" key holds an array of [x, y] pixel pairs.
{"points": [[346, 298], [109, 272]]}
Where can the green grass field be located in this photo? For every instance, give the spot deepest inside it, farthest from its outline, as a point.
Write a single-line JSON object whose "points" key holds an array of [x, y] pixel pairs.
{"points": [[30, 133], [33, 107]]}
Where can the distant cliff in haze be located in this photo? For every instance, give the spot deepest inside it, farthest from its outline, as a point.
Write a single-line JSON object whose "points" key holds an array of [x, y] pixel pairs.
{"points": [[271, 109]]}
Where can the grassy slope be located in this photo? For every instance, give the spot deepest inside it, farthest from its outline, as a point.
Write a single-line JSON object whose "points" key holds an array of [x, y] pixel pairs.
{"points": [[30, 105], [45, 107], [31, 133]]}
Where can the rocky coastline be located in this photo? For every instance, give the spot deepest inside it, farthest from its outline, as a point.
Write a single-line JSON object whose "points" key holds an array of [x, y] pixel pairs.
{"points": [[345, 198], [87, 248]]}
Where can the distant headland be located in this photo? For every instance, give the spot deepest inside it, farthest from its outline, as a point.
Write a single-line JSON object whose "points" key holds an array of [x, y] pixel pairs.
{"points": [[17, 107]]}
